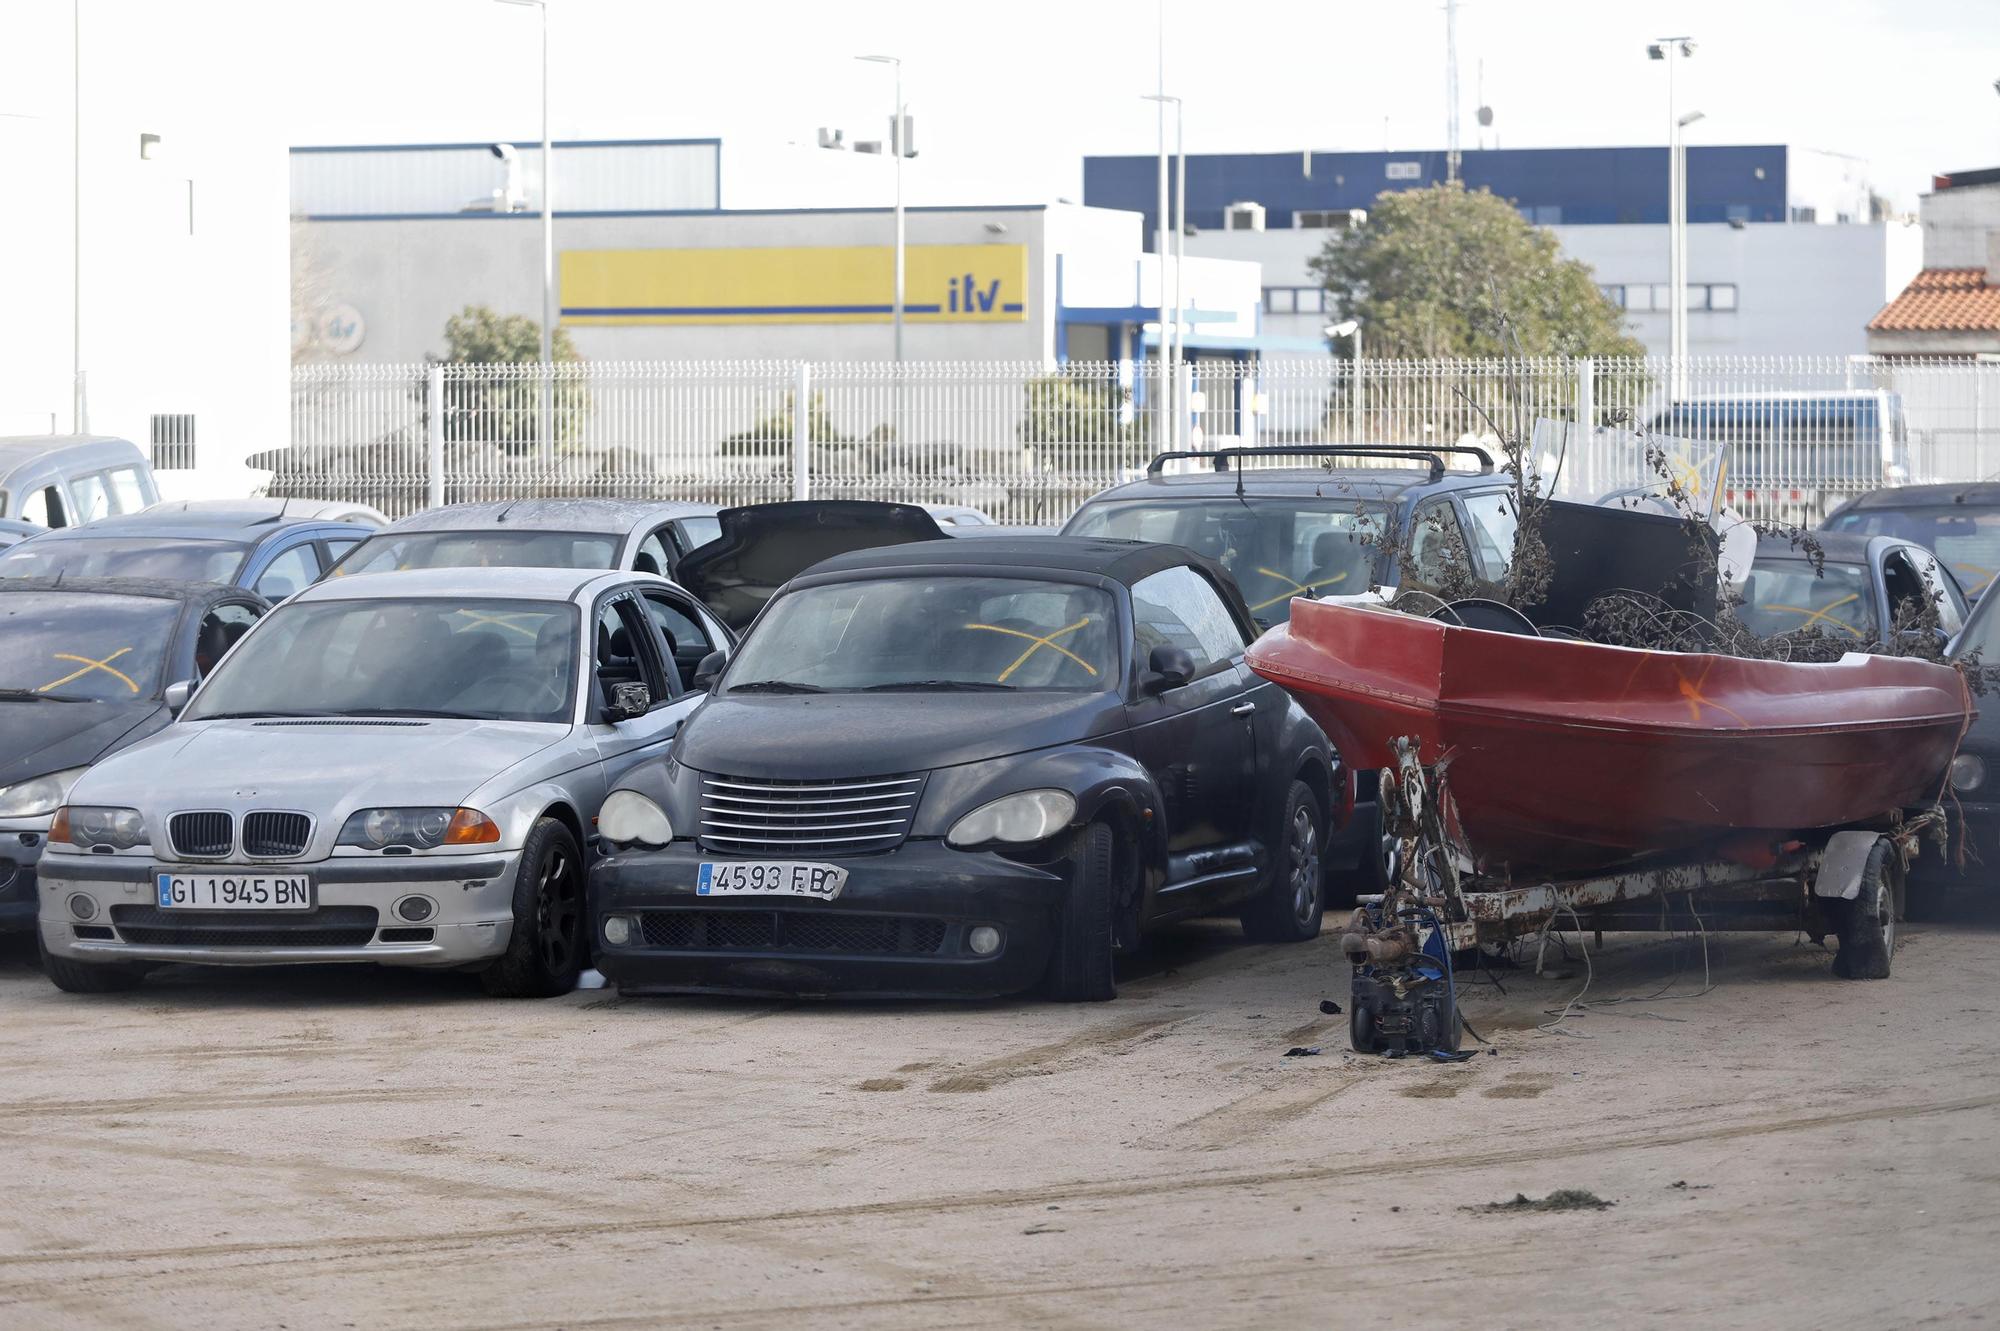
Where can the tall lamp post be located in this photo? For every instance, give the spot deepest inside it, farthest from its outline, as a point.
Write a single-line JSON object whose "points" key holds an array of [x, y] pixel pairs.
{"points": [[1170, 333], [1669, 49], [548, 245], [1351, 328], [896, 146], [1680, 329]]}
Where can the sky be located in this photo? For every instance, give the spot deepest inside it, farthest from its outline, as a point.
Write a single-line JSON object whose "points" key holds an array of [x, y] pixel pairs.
{"points": [[1010, 95]]}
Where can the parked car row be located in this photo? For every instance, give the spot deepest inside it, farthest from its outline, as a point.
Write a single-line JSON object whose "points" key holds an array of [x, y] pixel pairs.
{"points": [[801, 747]]}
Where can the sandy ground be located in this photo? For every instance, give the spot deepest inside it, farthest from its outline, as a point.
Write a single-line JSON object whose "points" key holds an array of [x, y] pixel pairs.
{"points": [[373, 1149]]}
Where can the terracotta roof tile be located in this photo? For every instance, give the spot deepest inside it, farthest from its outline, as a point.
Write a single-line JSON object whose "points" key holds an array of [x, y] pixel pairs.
{"points": [[1942, 300]]}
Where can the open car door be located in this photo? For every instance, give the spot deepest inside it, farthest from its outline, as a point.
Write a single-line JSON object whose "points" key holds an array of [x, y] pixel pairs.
{"points": [[764, 546]]}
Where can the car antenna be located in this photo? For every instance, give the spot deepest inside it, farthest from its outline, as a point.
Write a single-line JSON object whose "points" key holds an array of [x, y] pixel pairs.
{"points": [[504, 512]]}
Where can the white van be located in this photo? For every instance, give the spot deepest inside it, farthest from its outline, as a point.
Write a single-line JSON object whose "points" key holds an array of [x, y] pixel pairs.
{"points": [[65, 480]]}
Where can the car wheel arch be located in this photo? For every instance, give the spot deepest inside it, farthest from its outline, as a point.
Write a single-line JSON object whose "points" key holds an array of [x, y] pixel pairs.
{"points": [[570, 818]]}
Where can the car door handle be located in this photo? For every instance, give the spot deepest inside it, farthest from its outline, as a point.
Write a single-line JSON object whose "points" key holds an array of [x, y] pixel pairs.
{"points": [[1243, 709]]}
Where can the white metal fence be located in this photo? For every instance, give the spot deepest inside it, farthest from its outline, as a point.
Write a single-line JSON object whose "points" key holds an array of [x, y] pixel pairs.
{"points": [[1027, 442]]}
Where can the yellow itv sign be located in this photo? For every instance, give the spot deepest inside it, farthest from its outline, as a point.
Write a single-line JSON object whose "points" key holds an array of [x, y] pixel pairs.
{"points": [[806, 284]]}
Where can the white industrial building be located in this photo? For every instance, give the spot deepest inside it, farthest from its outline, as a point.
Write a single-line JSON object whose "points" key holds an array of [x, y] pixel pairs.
{"points": [[396, 240], [146, 281]]}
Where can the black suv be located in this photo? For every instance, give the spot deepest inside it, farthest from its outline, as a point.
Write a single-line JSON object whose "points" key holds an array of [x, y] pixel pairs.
{"points": [[1318, 531]]}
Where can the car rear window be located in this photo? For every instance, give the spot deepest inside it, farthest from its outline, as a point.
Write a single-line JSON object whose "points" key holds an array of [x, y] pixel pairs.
{"points": [[389, 551], [1967, 539], [167, 559], [1276, 549]]}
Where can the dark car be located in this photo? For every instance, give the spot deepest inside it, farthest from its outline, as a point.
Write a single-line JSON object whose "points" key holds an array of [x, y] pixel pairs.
{"points": [[256, 545], [1319, 531], [84, 669], [1960, 522], [1856, 589], [635, 535], [966, 769], [1974, 806]]}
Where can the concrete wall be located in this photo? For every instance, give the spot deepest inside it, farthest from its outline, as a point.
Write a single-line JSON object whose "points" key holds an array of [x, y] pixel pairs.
{"points": [[1801, 290], [183, 289], [1956, 223]]}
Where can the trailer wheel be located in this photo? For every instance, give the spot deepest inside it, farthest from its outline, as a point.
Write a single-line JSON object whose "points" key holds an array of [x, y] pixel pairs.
{"points": [[1361, 1029], [1867, 924]]}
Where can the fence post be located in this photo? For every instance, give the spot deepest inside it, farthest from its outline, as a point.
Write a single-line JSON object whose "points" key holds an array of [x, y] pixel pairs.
{"points": [[802, 433], [434, 394], [1586, 425]]}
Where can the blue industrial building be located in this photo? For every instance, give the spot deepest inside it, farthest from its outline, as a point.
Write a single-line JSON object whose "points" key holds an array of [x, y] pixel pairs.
{"points": [[1551, 186]]}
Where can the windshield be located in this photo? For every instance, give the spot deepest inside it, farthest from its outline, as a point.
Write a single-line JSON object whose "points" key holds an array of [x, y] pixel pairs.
{"points": [[389, 551], [90, 648], [1784, 596], [1275, 548], [1966, 539], [491, 660], [125, 557], [950, 633]]}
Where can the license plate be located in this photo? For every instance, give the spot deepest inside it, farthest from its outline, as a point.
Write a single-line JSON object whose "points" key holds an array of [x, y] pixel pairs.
{"points": [[771, 878], [234, 891]]}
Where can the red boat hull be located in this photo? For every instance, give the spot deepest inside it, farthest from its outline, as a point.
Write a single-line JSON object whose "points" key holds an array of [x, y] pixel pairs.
{"points": [[1568, 755]]}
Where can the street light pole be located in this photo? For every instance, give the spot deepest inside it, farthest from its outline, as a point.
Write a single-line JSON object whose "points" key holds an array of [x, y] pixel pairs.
{"points": [[1681, 244], [1667, 48], [547, 415], [1169, 347], [897, 147], [1351, 328]]}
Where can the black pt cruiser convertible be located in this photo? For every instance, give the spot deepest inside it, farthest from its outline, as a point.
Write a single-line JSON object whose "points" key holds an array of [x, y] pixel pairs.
{"points": [[964, 768]]}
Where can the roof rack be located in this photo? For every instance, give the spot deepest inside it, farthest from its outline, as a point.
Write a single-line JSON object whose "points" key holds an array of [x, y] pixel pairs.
{"points": [[1221, 458]]}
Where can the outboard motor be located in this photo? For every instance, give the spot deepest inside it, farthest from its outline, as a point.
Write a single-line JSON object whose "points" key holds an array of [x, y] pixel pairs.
{"points": [[1405, 996]]}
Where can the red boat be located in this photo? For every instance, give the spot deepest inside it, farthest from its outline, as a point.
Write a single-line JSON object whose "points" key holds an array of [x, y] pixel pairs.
{"points": [[1567, 755]]}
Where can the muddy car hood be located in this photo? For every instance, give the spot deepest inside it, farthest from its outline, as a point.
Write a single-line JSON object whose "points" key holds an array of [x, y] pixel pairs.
{"points": [[315, 766], [764, 546], [37, 738], [839, 735]]}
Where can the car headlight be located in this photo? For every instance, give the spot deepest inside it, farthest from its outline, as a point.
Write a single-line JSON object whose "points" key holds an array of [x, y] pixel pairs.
{"points": [[93, 827], [1016, 820], [417, 829], [1968, 772], [43, 794], [630, 819]]}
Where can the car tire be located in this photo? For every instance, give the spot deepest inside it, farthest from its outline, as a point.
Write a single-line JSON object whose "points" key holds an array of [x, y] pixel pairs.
{"points": [[1293, 902], [85, 977], [545, 953], [1080, 966]]}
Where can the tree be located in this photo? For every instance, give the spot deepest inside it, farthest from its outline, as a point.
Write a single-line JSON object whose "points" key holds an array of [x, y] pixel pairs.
{"points": [[1445, 271], [504, 408], [1076, 407]]}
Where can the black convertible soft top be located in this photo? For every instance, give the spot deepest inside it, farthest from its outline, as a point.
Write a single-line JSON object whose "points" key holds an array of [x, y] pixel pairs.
{"points": [[1120, 560]]}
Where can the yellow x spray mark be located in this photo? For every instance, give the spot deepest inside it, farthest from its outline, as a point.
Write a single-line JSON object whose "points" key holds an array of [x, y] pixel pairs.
{"points": [[1298, 588], [501, 621], [1037, 642], [89, 664], [1823, 614]]}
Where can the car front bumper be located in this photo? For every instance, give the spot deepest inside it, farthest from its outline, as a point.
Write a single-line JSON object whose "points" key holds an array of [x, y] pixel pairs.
{"points": [[351, 918], [901, 925], [20, 850]]}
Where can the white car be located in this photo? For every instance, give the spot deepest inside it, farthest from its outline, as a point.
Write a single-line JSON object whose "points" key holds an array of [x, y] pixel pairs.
{"points": [[403, 768]]}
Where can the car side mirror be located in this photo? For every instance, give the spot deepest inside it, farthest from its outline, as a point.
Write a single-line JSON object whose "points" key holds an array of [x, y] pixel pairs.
{"points": [[177, 695], [628, 700], [709, 670], [1169, 668]]}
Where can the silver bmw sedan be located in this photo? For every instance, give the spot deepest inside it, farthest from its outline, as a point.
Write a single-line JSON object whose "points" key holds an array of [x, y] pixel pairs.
{"points": [[402, 768]]}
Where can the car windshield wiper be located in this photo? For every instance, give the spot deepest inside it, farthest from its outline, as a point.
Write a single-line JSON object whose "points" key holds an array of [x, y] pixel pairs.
{"points": [[36, 695], [440, 713], [775, 686], [254, 716], [940, 686]]}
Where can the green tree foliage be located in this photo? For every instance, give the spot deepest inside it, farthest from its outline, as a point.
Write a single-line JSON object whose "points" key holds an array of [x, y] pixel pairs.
{"points": [[1445, 272], [504, 408]]}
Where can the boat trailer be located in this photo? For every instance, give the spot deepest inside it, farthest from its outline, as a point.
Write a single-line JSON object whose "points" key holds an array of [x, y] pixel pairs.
{"points": [[1846, 883]]}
